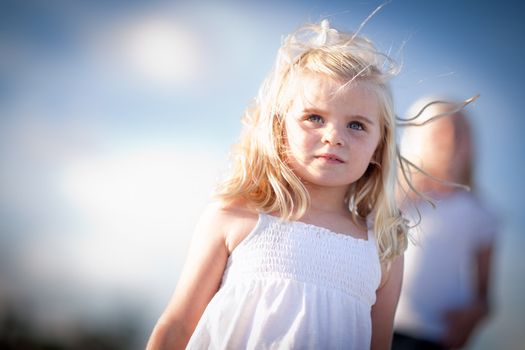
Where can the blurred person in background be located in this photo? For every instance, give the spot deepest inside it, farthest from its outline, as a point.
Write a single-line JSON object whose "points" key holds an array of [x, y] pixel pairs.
{"points": [[445, 293]]}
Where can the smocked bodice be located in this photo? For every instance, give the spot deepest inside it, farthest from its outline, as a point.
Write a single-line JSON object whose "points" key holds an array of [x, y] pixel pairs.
{"points": [[292, 285], [307, 253]]}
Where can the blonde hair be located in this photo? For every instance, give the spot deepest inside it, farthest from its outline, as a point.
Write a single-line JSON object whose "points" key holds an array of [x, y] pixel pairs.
{"points": [[261, 176]]}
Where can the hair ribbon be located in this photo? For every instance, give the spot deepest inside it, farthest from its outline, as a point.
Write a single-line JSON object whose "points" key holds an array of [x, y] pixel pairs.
{"points": [[324, 35]]}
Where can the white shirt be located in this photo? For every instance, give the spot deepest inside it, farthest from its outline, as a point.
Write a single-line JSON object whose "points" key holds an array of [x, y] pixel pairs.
{"points": [[439, 265]]}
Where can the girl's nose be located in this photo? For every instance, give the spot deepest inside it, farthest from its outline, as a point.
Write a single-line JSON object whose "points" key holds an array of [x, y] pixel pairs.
{"points": [[332, 136]]}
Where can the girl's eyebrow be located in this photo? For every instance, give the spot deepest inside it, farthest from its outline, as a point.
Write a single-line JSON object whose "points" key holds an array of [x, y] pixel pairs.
{"points": [[356, 116], [362, 118]]}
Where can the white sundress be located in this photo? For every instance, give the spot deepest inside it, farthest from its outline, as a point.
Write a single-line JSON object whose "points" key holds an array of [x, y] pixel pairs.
{"points": [[292, 285]]}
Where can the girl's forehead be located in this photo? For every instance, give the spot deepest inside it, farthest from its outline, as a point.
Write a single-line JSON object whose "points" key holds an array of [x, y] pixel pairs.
{"points": [[317, 90], [324, 87], [308, 81]]}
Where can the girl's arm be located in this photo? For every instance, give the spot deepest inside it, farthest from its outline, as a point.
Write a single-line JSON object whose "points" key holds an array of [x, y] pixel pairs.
{"points": [[198, 283], [384, 309]]}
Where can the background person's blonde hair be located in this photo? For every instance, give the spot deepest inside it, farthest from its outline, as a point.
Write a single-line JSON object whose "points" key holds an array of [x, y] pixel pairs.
{"points": [[260, 176], [442, 147]]}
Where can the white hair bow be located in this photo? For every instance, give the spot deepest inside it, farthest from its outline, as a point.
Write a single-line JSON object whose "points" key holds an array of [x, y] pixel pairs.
{"points": [[325, 34]]}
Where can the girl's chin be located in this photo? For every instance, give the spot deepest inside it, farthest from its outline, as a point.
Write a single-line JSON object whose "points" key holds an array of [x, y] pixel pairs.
{"points": [[329, 183]]}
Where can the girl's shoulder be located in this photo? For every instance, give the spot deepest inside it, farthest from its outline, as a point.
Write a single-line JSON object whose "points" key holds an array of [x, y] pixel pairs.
{"points": [[233, 220]]}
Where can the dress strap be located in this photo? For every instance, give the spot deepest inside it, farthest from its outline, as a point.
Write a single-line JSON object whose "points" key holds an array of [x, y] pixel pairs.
{"points": [[261, 223]]}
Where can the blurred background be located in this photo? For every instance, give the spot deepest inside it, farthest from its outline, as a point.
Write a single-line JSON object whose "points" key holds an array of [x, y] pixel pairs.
{"points": [[116, 118]]}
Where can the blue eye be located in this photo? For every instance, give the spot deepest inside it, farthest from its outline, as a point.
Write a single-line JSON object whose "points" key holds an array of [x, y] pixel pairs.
{"points": [[356, 126], [315, 118]]}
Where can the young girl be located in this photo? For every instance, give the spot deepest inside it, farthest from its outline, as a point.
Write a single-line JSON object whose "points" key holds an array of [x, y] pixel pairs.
{"points": [[303, 249]]}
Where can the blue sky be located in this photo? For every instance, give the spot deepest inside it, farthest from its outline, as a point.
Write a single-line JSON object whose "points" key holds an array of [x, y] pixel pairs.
{"points": [[116, 118]]}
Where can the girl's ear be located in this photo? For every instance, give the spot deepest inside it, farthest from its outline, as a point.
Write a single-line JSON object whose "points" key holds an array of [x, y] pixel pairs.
{"points": [[375, 163], [378, 153], [282, 126]]}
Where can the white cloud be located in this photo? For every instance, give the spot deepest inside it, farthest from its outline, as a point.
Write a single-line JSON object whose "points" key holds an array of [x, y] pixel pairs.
{"points": [[137, 208]]}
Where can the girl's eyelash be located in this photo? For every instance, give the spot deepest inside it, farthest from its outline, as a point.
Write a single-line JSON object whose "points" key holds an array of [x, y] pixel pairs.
{"points": [[314, 118], [359, 125], [354, 125]]}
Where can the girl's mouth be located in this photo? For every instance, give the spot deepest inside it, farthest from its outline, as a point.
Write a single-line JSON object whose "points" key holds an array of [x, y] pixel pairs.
{"points": [[330, 158]]}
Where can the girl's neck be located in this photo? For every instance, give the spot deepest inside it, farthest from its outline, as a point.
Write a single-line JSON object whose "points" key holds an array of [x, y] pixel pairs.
{"points": [[327, 199], [328, 208]]}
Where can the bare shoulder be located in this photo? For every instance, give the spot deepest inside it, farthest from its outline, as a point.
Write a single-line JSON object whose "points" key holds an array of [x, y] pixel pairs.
{"points": [[232, 221], [219, 227]]}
